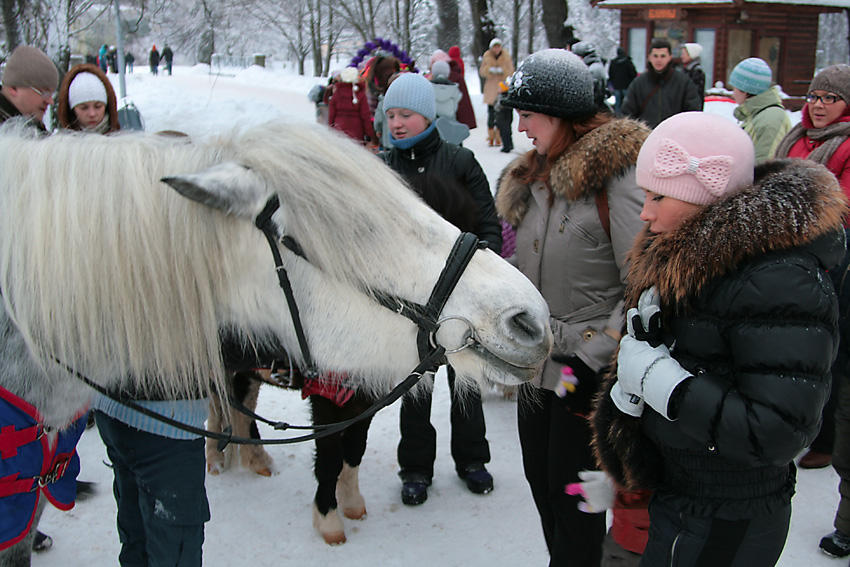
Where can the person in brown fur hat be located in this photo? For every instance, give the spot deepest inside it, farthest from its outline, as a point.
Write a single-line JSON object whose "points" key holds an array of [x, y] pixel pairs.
{"points": [[87, 101], [575, 206], [732, 329]]}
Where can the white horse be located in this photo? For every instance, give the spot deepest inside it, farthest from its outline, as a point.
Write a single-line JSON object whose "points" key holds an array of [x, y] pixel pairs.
{"points": [[108, 270]]}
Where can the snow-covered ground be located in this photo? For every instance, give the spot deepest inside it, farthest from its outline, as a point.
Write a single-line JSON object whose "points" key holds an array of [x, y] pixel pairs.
{"points": [[267, 521]]}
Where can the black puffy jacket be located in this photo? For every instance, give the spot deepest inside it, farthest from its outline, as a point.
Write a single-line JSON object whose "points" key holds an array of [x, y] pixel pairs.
{"points": [[451, 181], [749, 311]]}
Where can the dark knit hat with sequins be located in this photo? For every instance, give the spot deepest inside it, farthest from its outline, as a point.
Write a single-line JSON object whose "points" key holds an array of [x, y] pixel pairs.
{"points": [[553, 82]]}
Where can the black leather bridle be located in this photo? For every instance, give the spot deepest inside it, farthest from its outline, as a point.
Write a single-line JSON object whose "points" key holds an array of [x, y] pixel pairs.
{"points": [[426, 317]]}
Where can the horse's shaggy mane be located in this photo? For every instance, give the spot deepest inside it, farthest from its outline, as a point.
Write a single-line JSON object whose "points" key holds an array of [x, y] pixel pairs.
{"points": [[109, 270]]}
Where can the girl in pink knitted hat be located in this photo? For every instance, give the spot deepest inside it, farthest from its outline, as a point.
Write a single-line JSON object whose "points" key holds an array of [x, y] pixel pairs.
{"points": [[731, 330]]}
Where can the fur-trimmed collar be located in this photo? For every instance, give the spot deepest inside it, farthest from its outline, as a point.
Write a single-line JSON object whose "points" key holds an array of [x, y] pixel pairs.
{"points": [[790, 204], [596, 157]]}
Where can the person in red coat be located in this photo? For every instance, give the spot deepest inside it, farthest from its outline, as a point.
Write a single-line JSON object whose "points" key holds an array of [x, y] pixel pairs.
{"points": [[823, 135], [465, 114], [348, 109]]}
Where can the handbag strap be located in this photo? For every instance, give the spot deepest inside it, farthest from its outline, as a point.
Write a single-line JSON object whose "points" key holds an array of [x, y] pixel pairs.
{"points": [[603, 211]]}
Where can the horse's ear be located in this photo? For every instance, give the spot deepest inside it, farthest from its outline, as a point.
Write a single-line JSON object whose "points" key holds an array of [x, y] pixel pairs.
{"points": [[230, 186]]}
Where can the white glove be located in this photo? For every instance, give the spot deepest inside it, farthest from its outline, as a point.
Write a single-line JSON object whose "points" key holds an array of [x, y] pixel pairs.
{"points": [[596, 488], [624, 401], [495, 70], [649, 372], [648, 312]]}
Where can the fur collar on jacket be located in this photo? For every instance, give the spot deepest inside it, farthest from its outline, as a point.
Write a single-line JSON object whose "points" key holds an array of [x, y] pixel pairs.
{"points": [[596, 157], [790, 204]]}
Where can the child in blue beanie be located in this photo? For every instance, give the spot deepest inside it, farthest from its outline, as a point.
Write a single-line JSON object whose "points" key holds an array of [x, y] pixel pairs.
{"points": [[451, 181]]}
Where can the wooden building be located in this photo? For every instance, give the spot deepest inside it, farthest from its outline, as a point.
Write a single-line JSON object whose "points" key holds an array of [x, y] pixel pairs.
{"points": [[782, 32]]}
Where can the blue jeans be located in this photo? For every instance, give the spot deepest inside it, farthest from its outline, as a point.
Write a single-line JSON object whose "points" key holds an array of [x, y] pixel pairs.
{"points": [[159, 490], [619, 96]]}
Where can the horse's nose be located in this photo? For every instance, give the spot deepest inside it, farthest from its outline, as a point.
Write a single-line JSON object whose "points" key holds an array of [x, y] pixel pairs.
{"points": [[526, 329]]}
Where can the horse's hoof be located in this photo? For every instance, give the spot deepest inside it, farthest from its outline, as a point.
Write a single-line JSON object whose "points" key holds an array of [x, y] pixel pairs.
{"points": [[215, 468], [265, 471], [336, 538], [355, 513]]}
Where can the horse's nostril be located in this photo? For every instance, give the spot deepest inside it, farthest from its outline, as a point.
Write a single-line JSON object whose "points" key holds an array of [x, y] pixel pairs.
{"points": [[525, 327]]}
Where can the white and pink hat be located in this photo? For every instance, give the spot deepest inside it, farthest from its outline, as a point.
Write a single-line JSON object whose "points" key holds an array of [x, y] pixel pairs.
{"points": [[696, 157]]}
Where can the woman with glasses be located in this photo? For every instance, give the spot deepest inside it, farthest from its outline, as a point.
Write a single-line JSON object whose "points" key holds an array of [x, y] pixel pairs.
{"points": [[824, 136]]}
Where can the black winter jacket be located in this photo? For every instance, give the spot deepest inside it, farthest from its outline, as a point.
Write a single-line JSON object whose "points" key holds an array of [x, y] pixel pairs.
{"points": [[451, 181], [749, 311], [622, 72], [653, 98]]}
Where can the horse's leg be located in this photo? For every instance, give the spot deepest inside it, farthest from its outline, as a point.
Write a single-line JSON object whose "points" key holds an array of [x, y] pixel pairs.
{"points": [[327, 468], [216, 462], [20, 554], [353, 447], [246, 388]]}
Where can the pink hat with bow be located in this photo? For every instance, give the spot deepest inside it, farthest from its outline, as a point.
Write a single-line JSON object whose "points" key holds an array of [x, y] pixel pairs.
{"points": [[696, 157]]}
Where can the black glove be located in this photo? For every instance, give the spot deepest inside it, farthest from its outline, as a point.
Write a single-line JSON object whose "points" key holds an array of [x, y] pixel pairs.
{"points": [[578, 386]]}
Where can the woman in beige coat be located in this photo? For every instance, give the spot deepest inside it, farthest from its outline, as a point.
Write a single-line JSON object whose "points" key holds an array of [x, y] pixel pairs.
{"points": [[496, 66], [576, 208]]}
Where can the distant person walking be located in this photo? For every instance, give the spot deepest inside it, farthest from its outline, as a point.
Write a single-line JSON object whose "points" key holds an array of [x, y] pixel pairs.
{"points": [[168, 57], [101, 58], [621, 73], [153, 60], [661, 91], [691, 63], [496, 66], [348, 109], [128, 62], [760, 108], [465, 113], [587, 51]]}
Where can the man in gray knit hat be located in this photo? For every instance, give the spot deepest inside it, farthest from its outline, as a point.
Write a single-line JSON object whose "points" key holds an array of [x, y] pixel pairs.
{"points": [[29, 82]]}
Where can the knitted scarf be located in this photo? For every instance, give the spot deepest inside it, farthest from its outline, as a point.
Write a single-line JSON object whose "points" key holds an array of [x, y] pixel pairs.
{"points": [[835, 134], [101, 128], [407, 143]]}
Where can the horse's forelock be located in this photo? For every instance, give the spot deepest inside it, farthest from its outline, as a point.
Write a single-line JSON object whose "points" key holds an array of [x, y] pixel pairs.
{"points": [[344, 203]]}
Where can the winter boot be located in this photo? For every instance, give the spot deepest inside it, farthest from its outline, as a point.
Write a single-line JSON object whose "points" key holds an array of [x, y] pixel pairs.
{"points": [[836, 544], [491, 136], [478, 480], [498, 137], [815, 460], [41, 542], [414, 493]]}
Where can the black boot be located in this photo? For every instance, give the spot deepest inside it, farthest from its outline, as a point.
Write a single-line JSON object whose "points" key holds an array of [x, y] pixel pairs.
{"points": [[85, 490], [414, 493], [478, 480], [41, 542]]}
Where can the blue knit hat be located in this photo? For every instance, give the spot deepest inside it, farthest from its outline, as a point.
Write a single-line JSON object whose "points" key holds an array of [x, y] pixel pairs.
{"points": [[751, 76], [412, 92]]}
